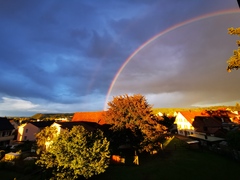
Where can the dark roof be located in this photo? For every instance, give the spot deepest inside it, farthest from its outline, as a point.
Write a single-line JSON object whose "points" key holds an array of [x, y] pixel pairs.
{"points": [[206, 124], [90, 126], [42, 124], [5, 124]]}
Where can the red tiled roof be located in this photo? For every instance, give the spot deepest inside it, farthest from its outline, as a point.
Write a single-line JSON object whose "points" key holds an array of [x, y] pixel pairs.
{"points": [[96, 117], [190, 115]]}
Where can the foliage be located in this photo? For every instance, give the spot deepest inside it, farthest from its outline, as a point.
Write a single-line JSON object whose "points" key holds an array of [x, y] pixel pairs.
{"points": [[233, 139], [132, 118], [234, 61], [167, 121], [171, 111], [52, 116], [237, 107], [45, 136], [76, 153]]}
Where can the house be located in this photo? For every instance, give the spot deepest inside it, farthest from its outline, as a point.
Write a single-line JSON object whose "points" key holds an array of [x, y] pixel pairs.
{"points": [[27, 132], [6, 132], [97, 117], [159, 114], [65, 119], [61, 126], [210, 126], [184, 120]]}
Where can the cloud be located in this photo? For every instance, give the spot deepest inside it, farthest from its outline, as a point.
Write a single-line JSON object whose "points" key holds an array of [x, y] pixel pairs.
{"points": [[64, 55], [189, 62], [16, 104]]}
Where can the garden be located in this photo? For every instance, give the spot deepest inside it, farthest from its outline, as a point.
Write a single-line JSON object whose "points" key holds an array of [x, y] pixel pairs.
{"points": [[176, 161]]}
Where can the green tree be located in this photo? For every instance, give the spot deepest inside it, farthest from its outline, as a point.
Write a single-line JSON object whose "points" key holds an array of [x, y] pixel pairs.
{"points": [[131, 117], [75, 153], [233, 139], [237, 107], [44, 137], [167, 121], [234, 61]]}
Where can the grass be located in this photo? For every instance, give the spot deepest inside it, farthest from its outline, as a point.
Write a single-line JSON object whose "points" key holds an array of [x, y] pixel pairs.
{"points": [[8, 175], [178, 164]]}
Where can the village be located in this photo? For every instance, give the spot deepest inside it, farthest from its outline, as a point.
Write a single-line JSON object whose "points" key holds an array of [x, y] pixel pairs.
{"points": [[202, 129]]}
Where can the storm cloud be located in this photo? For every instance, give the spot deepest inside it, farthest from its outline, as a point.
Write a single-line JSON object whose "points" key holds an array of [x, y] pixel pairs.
{"points": [[62, 56]]}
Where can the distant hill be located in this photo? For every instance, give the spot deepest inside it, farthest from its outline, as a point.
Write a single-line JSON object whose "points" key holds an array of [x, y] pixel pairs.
{"points": [[171, 111], [51, 116]]}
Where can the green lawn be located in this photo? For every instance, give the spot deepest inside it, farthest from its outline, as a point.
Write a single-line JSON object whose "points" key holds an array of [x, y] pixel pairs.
{"points": [[8, 175], [177, 164]]}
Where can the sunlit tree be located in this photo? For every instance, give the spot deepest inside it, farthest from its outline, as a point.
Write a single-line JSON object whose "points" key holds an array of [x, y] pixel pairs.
{"points": [[76, 153], [44, 137], [132, 120], [234, 61]]}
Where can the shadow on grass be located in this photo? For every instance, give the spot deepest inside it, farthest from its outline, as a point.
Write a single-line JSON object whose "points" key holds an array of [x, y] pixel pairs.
{"points": [[175, 162]]}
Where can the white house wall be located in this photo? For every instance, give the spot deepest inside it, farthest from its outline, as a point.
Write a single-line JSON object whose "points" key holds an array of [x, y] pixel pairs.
{"points": [[184, 127], [58, 127]]}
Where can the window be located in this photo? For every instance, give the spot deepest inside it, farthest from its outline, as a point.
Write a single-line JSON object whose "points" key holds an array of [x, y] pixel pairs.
{"points": [[26, 130], [25, 138]]}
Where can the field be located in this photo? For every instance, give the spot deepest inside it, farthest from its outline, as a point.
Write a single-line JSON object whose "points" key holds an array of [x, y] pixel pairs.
{"points": [[174, 163]]}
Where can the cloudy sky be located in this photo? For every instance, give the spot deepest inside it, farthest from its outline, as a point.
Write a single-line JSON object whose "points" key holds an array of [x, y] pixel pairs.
{"points": [[67, 56]]}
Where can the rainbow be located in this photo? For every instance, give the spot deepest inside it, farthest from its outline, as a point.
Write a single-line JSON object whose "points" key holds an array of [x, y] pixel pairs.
{"points": [[202, 17]]}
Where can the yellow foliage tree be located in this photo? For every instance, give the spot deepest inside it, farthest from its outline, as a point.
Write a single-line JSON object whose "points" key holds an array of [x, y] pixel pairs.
{"points": [[234, 61]]}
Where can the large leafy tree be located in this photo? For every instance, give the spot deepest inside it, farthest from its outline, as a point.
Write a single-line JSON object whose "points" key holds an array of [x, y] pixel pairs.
{"points": [[233, 139], [75, 153], [132, 120], [234, 61]]}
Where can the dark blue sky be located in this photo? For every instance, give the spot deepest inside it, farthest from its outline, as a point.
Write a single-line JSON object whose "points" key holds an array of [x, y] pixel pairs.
{"points": [[62, 56]]}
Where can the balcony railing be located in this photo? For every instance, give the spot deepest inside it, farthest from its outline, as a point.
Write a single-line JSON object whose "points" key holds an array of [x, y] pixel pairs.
{"points": [[6, 138]]}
